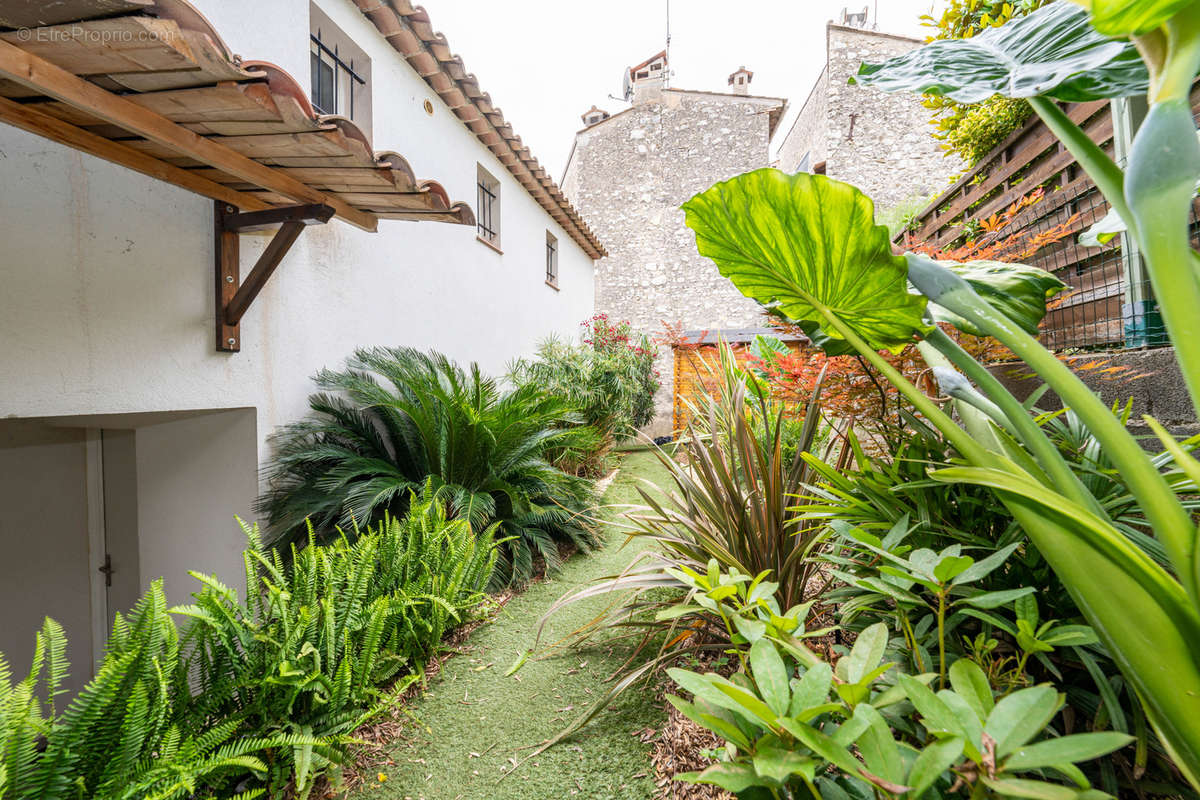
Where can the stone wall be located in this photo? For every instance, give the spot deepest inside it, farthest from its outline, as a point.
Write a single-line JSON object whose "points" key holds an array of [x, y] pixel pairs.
{"points": [[808, 134], [880, 142], [628, 176]]}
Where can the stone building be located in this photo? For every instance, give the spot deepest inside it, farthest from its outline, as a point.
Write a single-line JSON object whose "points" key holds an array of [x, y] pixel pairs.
{"points": [[628, 174], [877, 141]]}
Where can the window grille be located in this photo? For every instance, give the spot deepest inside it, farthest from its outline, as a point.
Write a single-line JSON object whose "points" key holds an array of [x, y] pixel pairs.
{"points": [[333, 79], [488, 207], [551, 259]]}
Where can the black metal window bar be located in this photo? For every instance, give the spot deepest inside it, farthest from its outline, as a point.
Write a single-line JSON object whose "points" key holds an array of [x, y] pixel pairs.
{"points": [[487, 208], [329, 73], [551, 260]]}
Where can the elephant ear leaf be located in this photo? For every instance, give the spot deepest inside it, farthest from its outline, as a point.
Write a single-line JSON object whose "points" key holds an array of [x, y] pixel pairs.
{"points": [[1132, 17], [1052, 52], [1018, 291], [807, 246]]}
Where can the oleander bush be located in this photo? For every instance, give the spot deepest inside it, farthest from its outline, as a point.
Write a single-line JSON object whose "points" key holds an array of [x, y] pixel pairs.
{"points": [[246, 696], [609, 377], [396, 419]]}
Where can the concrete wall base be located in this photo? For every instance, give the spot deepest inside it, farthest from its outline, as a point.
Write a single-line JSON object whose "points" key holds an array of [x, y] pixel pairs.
{"points": [[1150, 377]]}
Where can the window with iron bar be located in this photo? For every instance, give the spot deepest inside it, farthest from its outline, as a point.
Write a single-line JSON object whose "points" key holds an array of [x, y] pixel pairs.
{"points": [[551, 260], [487, 213], [333, 79]]}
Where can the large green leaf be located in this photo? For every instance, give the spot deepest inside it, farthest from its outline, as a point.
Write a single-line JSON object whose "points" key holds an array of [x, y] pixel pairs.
{"points": [[866, 654], [1131, 17], [771, 676], [801, 244], [1020, 716], [933, 762], [1067, 750], [1017, 291], [1052, 52], [733, 777]]}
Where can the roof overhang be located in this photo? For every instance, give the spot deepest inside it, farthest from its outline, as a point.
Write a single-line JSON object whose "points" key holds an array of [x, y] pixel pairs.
{"points": [[408, 29], [150, 85]]}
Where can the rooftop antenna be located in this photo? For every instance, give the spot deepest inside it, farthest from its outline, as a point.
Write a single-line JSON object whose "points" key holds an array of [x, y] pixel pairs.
{"points": [[667, 76]]}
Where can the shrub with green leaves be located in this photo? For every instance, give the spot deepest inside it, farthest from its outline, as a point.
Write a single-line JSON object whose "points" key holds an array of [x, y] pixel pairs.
{"points": [[801, 728], [734, 497], [397, 418], [609, 377], [249, 697], [972, 130], [732, 506]]}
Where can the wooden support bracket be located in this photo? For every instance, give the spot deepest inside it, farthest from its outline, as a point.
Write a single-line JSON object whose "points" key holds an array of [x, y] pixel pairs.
{"points": [[234, 298]]}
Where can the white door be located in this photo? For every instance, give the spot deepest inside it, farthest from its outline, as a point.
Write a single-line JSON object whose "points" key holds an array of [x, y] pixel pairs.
{"points": [[49, 536]]}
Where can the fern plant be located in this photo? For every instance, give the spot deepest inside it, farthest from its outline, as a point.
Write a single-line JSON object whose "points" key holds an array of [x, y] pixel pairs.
{"points": [[123, 735], [249, 697], [397, 418], [303, 655]]}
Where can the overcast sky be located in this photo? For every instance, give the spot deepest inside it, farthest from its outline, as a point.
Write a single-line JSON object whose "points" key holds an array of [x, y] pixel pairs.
{"points": [[545, 62]]}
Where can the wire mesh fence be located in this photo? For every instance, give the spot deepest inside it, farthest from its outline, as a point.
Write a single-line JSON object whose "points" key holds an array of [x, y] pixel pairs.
{"points": [[1109, 303]]}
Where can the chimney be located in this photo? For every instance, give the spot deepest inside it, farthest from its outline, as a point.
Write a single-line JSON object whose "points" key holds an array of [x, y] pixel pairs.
{"points": [[855, 19], [740, 81], [593, 115]]}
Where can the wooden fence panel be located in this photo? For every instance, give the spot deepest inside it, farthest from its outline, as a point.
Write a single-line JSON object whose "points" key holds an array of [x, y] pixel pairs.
{"points": [[1090, 314]]}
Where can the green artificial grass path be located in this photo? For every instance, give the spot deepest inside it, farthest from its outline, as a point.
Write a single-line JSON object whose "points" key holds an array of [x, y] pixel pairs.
{"points": [[473, 719]]}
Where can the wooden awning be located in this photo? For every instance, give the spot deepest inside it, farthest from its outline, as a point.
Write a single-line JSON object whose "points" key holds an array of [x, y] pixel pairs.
{"points": [[150, 85]]}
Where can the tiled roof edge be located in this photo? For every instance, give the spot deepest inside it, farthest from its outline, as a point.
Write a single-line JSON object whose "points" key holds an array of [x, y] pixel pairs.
{"points": [[410, 33]]}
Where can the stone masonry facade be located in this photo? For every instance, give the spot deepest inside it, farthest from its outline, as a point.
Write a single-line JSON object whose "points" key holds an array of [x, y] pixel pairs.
{"points": [[628, 176], [879, 142]]}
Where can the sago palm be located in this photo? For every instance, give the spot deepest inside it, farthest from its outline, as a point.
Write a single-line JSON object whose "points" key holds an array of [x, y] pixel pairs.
{"points": [[397, 417]]}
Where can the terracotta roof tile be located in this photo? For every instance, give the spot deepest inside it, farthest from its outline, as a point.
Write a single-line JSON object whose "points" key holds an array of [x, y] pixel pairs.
{"points": [[408, 29], [187, 76]]}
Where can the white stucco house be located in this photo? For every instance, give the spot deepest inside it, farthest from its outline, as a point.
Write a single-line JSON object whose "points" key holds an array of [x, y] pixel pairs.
{"points": [[304, 177]]}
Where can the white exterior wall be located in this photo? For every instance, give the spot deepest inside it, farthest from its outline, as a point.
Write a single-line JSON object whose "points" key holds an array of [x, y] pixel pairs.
{"points": [[107, 304], [184, 503]]}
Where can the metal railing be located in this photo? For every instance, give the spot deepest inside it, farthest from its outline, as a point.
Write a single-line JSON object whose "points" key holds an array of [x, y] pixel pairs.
{"points": [[325, 98]]}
